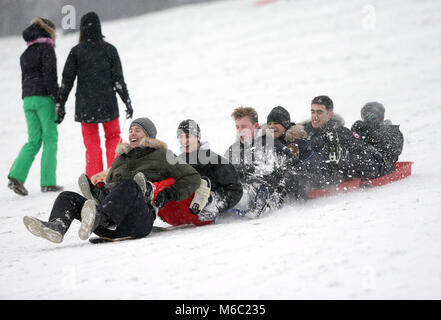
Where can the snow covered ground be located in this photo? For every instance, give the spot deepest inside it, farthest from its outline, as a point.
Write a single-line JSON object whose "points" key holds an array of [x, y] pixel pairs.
{"points": [[201, 62]]}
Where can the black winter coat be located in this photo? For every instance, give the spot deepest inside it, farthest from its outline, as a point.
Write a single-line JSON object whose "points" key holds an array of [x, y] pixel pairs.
{"points": [[269, 161], [38, 66], [157, 163], [225, 182], [386, 138], [97, 65], [358, 159]]}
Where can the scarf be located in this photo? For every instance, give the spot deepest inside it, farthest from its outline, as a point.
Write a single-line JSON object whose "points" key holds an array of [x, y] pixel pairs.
{"points": [[41, 40]]}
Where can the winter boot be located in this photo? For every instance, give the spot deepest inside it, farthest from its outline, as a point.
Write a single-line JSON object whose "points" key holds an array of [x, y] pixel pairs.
{"points": [[55, 188], [87, 188], [260, 204], [17, 187], [147, 188], [52, 230], [90, 219]]}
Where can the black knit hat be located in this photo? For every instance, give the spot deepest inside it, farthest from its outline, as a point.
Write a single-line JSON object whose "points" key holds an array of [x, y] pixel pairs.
{"points": [[189, 126], [373, 112], [146, 125], [280, 115], [324, 100]]}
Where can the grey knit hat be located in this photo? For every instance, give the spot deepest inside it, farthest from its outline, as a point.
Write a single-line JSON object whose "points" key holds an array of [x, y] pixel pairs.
{"points": [[373, 112], [146, 125]]}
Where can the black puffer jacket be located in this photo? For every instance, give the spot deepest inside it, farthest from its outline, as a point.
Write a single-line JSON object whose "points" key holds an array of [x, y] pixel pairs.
{"points": [[386, 138], [97, 65], [225, 182], [38, 65], [270, 162], [358, 159]]}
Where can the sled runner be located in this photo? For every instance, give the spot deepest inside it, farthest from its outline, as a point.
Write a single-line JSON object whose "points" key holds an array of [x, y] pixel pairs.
{"points": [[402, 170]]}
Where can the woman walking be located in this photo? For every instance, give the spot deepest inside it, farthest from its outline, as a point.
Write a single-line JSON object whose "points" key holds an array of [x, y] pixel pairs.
{"points": [[98, 68], [39, 91]]}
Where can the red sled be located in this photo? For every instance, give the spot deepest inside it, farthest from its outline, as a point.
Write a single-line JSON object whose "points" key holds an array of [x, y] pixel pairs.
{"points": [[176, 213], [401, 171]]}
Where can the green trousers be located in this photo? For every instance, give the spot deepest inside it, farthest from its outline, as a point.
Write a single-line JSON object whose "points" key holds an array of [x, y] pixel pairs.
{"points": [[40, 116]]}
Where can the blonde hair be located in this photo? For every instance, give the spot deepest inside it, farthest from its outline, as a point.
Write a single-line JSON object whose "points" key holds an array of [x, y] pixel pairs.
{"points": [[242, 112]]}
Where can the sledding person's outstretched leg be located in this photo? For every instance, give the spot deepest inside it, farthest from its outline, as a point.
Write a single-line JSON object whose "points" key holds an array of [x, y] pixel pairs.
{"points": [[66, 208]]}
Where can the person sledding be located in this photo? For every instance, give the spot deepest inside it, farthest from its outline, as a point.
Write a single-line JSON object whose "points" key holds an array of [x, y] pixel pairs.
{"points": [[294, 136], [124, 207], [269, 171], [226, 189], [382, 135], [346, 154]]}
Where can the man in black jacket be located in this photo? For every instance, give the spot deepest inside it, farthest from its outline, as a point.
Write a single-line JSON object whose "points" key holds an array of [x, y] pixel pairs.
{"points": [[295, 138], [268, 170], [226, 189], [97, 65], [343, 150], [382, 135]]}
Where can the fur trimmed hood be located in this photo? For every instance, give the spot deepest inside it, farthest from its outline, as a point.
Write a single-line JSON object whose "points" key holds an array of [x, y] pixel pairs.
{"points": [[147, 142], [293, 133], [336, 118], [46, 25]]}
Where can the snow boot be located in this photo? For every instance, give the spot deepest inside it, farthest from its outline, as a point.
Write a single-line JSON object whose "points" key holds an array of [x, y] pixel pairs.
{"points": [[52, 230], [87, 188], [55, 188], [17, 187], [147, 188], [90, 219]]}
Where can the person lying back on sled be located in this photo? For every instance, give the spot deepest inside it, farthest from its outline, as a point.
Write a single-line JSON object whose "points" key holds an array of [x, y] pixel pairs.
{"points": [[382, 135], [125, 206], [347, 155], [226, 189], [268, 170]]}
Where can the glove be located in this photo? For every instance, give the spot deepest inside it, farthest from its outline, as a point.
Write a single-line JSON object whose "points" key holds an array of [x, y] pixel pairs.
{"points": [[129, 109], [201, 196], [59, 108], [165, 196]]}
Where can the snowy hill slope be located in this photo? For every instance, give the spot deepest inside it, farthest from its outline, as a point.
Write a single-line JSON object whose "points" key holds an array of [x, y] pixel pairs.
{"points": [[201, 62]]}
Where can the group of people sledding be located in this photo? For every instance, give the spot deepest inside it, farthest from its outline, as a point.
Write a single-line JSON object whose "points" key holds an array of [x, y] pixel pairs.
{"points": [[269, 165]]}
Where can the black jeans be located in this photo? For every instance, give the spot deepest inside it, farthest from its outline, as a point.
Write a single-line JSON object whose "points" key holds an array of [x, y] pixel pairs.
{"points": [[124, 205]]}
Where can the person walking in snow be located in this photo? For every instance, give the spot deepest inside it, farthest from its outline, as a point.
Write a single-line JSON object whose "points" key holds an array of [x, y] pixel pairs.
{"points": [[226, 189], [346, 154], [125, 206], [39, 92], [268, 170], [97, 66], [382, 135]]}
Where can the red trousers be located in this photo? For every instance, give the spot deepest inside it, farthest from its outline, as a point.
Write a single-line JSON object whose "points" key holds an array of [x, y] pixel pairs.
{"points": [[177, 212], [92, 142]]}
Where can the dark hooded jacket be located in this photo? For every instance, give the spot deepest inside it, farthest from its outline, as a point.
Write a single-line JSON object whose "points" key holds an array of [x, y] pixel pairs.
{"points": [[157, 163], [97, 65], [225, 182], [268, 161], [358, 159], [38, 62], [385, 137]]}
